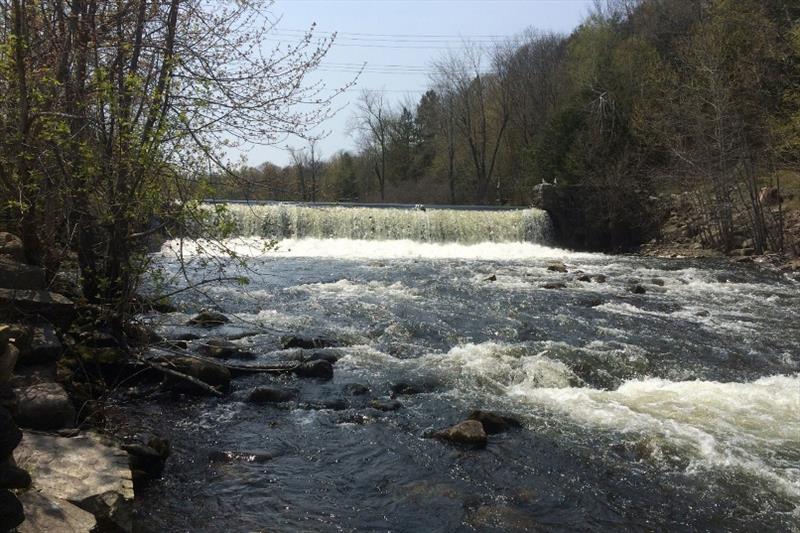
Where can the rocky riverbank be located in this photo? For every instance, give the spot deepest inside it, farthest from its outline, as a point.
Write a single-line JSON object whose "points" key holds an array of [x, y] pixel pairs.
{"points": [[59, 471], [680, 236]]}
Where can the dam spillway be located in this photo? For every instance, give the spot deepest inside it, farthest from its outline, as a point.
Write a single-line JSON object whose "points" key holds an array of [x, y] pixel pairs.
{"points": [[440, 225]]}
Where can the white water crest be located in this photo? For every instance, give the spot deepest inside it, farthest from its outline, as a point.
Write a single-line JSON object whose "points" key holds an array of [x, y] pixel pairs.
{"points": [[365, 249], [291, 221], [750, 428]]}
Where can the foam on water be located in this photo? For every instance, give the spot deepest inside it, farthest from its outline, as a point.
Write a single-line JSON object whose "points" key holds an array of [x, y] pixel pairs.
{"points": [[366, 249], [752, 428]]}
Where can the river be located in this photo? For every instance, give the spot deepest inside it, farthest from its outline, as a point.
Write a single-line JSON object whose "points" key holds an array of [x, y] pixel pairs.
{"points": [[674, 409]]}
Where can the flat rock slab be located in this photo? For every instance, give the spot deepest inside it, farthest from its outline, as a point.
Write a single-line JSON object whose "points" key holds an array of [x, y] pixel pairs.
{"points": [[16, 275], [53, 306], [77, 469], [53, 515]]}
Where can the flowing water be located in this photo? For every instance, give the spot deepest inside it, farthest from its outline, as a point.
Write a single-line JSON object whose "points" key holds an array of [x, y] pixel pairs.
{"points": [[677, 409]]}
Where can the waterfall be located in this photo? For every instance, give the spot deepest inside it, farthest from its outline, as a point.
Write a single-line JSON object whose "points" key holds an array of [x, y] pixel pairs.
{"points": [[438, 225]]}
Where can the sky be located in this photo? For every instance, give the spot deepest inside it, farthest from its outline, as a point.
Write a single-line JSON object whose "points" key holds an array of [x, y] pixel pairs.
{"points": [[398, 40]]}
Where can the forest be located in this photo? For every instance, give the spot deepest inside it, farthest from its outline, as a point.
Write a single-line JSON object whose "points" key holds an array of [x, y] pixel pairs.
{"points": [[653, 96]]}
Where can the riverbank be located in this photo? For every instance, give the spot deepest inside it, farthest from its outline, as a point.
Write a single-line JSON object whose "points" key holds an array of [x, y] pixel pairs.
{"points": [[60, 359], [680, 236]]}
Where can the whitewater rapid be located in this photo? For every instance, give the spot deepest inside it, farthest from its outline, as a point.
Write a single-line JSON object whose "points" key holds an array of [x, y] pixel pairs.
{"points": [[689, 392]]}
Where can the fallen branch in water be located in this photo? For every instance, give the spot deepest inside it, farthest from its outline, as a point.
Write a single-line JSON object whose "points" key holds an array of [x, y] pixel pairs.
{"points": [[235, 370], [180, 375]]}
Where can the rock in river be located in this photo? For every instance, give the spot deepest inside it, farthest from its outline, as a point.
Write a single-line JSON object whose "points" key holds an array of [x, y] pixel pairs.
{"points": [[557, 266], [208, 319], [220, 348], [493, 422], [466, 432], [307, 343], [45, 406], [383, 404], [271, 395], [314, 369]]}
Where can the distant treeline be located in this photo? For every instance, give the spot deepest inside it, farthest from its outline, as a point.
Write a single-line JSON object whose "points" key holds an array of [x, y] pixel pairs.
{"points": [[655, 95]]}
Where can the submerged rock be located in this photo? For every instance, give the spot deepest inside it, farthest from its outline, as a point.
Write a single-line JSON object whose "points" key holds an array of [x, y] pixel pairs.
{"points": [[557, 266], [271, 395], [493, 277], [494, 423], [45, 406], [383, 404], [599, 278], [208, 319], [637, 289], [467, 432], [553, 285], [314, 369], [586, 278], [356, 389], [307, 343], [407, 389]]}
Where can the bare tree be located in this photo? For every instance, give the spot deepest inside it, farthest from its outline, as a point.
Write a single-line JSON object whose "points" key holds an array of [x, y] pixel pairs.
{"points": [[481, 106], [373, 122]]}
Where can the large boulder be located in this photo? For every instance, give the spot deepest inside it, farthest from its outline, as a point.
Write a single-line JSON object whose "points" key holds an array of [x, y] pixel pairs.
{"points": [[45, 515], [208, 372], [52, 306], [11, 246], [15, 275], [45, 406], [84, 471], [469, 432]]}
